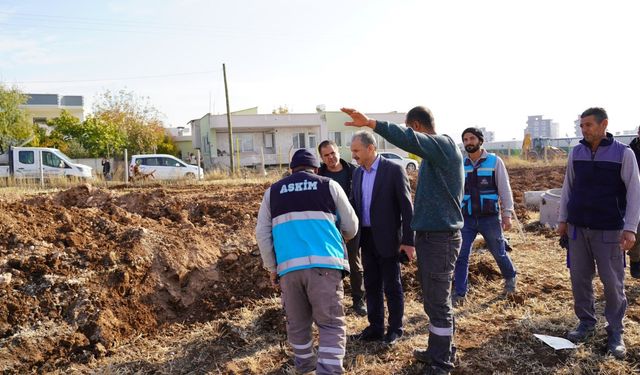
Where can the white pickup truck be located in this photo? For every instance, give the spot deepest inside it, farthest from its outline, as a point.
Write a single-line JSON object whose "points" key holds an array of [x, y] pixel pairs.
{"points": [[25, 162]]}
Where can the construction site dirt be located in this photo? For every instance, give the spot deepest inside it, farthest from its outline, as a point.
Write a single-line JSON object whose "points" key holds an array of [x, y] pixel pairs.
{"points": [[169, 279]]}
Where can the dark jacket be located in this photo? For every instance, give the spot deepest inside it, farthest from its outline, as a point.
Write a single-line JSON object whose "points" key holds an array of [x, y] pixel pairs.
{"points": [[348, 166], [391, 209], [635, 147]]}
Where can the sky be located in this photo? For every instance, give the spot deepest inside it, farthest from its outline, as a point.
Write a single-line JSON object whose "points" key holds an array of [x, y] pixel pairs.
{"points": [[483, 63]]}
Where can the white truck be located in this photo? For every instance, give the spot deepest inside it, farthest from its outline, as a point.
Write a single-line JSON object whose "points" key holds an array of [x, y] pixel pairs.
{"points": [[27, 162]]}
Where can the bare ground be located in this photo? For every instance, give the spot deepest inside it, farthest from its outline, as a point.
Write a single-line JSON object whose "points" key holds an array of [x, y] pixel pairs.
{"points": [[168, 279]]}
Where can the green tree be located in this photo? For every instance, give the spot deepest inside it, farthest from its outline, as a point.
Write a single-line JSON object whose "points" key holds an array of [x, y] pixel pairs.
{"points": [[14, 125], [167, 146], [132, 115]]}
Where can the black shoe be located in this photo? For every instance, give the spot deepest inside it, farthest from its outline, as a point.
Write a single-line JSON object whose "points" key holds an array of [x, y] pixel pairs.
{"points": [[581, 333], [392, 337], [421, 355], [435, 370], [367, 335], [360, 308], [634, 269]]}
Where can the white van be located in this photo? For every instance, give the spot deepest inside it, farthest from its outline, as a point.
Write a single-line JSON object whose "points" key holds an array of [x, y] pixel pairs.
{"points": [[163, 167], [25, 162]]}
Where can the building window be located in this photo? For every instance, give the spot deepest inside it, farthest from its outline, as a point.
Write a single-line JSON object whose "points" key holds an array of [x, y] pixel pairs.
{"points": [[39, 121], [269, 140], [336, 137], [298, 140], [347, 138], [312, 140], [246, 142]]}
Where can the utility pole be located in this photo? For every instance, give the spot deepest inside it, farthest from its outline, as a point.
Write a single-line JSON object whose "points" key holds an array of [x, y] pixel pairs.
{"points": [[226, 94]]}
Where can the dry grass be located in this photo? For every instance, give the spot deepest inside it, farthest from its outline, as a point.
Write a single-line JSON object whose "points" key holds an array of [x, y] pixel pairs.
{"points": [[494, 333], [516, 162]]}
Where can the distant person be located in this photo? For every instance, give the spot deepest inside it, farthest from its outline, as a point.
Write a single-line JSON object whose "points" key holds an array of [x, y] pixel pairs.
{"points": [[599, 212], [437, 221], [382, 198], [301, 224], [342, 172], [106, 169], [486, 180], [192, 159], [634, 253]]}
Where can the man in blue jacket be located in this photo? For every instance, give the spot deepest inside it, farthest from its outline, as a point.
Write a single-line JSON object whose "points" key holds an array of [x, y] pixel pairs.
{"points": [[301, 224], [437, 221], [599, 212]]}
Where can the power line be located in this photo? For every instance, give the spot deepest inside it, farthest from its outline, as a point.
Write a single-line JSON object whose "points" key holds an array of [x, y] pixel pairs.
{"points": [[121, 79]]}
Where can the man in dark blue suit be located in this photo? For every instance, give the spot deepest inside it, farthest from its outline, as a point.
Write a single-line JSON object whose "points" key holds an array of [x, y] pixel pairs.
{"points": [[381, 197]]}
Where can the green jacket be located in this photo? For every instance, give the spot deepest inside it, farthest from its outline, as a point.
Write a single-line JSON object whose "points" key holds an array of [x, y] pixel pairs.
{"points": [[438, 198]]}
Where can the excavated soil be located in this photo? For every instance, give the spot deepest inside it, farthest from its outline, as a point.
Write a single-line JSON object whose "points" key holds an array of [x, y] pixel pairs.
{"points": [[85, 270]]}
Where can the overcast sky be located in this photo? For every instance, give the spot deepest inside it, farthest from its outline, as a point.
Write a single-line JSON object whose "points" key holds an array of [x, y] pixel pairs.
{"points": [[474, 63]]}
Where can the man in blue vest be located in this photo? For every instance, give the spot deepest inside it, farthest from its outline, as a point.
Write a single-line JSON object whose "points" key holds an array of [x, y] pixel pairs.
{"points": [[302, 221], [486, 180], [599, 212]]}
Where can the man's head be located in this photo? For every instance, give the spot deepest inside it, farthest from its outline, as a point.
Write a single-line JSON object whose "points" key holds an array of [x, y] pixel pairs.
{"points": [[472, 138], [363, 148], [303, 159], [638, 131], [420, 119], [593, 123], [329, 153]]}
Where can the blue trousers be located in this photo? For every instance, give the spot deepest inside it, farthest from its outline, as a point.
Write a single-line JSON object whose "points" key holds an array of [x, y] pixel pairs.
{"points": [[381, 275], [491, 229]]}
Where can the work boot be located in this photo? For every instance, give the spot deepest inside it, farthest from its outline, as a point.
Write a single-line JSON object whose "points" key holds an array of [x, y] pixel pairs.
{"points": [[510, 285], [634, 269], [435, 370], [457, 300], [615, 345], [359, 307], [581, 333], [422, 355]]}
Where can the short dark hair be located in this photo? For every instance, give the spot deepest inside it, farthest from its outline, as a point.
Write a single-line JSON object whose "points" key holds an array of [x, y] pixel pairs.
{"points": [[599, 113], [326, 143], [421, 115]]}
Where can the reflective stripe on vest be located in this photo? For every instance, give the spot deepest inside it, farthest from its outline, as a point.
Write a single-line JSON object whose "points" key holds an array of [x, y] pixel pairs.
{"points": [[480, 188]]}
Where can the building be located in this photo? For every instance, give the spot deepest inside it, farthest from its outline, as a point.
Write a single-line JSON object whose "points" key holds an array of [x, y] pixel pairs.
{"points": [[542, 128], [275, 137], [182, 138], [43, 107]]}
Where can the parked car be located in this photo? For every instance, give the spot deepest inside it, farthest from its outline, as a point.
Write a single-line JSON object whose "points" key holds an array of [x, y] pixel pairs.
{"points": [[409, 164], [162, 167]]}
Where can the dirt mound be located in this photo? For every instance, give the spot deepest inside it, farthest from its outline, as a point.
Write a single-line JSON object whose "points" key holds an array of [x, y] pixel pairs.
{"points": [[533, 179], [85, 269]]}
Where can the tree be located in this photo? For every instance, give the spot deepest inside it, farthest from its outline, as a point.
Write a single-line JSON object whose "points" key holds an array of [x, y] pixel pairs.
{"points": [[133, 116], [167, 146], [14, 125], [90, 138]]}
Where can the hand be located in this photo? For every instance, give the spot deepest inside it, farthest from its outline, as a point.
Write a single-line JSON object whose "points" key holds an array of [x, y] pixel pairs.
{"points": [[627, 240], [409, 250], [359, 119], [506, 223], [273, 276], [562, 229]]}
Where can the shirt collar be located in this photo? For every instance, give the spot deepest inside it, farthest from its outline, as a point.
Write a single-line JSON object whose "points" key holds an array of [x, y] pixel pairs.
{"points": [[374, 166]]}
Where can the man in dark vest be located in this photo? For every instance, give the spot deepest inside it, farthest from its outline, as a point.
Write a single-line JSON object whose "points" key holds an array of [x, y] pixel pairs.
{"points": [[486, 180], [599, 212], [342, 172], [301, 224]]}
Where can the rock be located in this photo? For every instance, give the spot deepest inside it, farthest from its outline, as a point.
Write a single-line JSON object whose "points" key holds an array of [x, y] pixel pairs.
{"points": [[231, 257], [5, 279]]}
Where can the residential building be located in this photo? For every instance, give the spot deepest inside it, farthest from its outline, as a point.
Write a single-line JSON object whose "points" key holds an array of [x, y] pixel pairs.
{"points": [[274, 137], [182, 139], [542, 128], [43, 107]]}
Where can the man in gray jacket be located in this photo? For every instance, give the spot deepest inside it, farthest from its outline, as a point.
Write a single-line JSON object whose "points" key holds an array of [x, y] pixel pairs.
{"points": [[301, 224]]}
